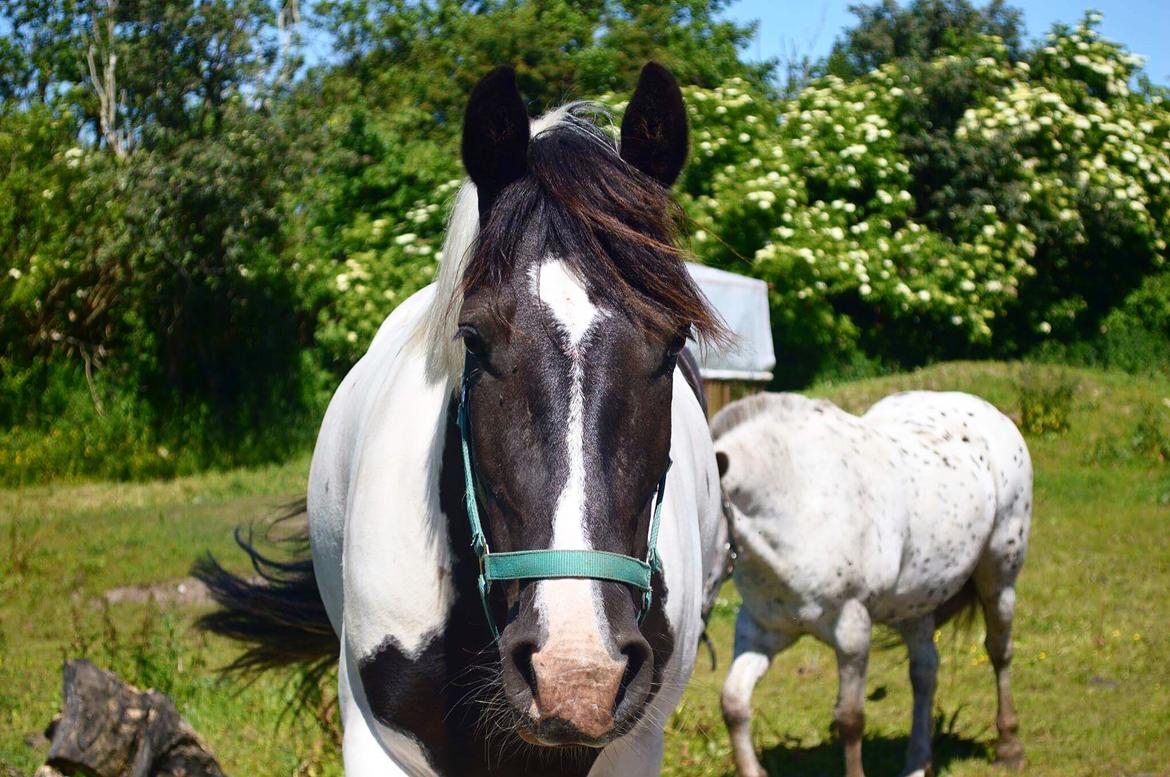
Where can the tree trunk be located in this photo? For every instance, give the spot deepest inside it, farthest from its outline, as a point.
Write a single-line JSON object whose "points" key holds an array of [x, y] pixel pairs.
{"points": [[111, 729]]}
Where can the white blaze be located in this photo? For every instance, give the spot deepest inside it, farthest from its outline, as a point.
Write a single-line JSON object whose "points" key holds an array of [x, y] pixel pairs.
{"points": [[560, 290], [569, 608]]}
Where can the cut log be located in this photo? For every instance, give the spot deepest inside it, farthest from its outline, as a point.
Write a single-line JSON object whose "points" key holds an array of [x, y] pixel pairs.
{"points": [[109, 728]]}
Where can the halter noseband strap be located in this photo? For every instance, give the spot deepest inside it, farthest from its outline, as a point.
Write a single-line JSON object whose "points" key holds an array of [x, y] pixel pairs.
{"points": [[548, 564]]}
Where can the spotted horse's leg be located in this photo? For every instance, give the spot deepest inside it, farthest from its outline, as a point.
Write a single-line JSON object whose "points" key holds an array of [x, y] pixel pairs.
{"points": [[999, 603], [918, 634], [851, 638], [754, 648]]}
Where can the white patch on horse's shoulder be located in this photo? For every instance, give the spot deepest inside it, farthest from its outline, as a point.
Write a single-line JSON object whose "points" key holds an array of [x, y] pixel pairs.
{"points": [[561, 291]]}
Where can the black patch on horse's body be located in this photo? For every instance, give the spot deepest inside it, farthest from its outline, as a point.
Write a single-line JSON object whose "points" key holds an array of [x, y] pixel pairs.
{"points": [[404, 694]]}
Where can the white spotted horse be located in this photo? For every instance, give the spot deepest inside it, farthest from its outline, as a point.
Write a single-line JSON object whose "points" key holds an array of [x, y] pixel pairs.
{"points": [[514, 508], [901, 516]]}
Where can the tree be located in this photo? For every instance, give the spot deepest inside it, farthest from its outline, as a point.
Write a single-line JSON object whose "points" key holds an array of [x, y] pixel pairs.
{"points": [[144, 220], [972, 205], [924, 30], [40, 48], [429, 54], [138, 70]]}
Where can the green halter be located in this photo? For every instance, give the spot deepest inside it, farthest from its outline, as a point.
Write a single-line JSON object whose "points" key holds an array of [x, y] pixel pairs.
{"points": [[544, 564]]}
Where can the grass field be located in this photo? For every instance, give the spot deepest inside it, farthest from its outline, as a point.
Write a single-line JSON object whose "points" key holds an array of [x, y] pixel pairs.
{"points": [[1092, 668]]}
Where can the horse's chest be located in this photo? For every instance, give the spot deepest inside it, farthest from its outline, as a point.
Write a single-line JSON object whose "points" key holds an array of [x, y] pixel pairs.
{"points": [[787, 598], [795, 616]]}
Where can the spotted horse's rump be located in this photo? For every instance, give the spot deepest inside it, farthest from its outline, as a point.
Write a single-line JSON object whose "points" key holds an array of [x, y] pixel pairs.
{"points": [[898, 517], [555, 329]]}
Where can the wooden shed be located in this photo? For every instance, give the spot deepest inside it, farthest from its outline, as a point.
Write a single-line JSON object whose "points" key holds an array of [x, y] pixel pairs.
{"points": [[746, 366]]}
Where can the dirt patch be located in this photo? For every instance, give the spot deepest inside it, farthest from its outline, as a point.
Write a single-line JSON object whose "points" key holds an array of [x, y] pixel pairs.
{"points": [[187, 592]]}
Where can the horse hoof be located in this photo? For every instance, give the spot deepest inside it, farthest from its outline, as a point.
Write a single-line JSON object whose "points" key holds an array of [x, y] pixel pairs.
{"points": [[1009, 755]]}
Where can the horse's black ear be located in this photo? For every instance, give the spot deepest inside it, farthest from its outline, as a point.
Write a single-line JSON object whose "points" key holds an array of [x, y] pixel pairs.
{"points": [[654, 129], [495, 135], [721, 462]]}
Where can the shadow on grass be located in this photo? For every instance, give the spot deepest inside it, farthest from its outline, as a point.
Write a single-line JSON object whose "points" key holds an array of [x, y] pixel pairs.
{"points": [[880, 755]]}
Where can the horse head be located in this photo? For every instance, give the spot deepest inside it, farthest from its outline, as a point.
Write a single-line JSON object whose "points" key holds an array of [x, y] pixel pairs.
{"points": [[575, 308]]}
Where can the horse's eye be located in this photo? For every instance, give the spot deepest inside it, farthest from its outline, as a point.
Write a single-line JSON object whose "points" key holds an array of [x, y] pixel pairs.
{"points": [[472, 340], [677, 343]]}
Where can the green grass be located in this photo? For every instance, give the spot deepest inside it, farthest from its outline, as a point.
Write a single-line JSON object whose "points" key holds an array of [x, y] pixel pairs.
{"points": [[1091, 679], [61, 548], [1092, 682]]}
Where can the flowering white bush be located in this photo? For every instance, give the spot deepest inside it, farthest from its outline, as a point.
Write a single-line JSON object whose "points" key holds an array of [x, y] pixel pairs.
{"points": [[886, 228], [821, 208], [384, 262], [828, 205]]}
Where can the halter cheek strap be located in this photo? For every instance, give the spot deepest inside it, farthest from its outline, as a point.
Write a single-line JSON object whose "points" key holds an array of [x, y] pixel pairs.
{"points": [[550, 564]]}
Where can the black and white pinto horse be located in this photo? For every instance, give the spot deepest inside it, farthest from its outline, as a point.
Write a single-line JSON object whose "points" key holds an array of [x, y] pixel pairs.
{"points": [[559, 316]]}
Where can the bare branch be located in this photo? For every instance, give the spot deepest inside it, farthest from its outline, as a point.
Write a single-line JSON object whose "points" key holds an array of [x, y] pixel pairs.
{"points": [[106, 84], [288, 21]]}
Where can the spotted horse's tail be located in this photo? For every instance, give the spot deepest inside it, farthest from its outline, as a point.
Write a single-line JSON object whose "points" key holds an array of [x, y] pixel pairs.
{"points": [[960, 608], [277, 613], [959, 611]]}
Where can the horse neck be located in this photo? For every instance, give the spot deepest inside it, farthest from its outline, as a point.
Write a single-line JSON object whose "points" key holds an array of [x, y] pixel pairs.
{"points": [[762, 526]]}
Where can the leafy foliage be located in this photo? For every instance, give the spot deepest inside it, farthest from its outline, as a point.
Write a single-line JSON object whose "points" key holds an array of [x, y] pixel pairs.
{"points": [[430, 54], [920, 31], [1134, 336], [195, 245], [969, 205]]}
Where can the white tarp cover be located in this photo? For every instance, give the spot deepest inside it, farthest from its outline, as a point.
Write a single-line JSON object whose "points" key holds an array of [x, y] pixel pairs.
{"points": [[742, 302]]}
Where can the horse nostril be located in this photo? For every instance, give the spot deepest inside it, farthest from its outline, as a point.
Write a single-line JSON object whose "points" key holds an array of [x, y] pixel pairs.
{"points": [[637, 654], [522, 660]]}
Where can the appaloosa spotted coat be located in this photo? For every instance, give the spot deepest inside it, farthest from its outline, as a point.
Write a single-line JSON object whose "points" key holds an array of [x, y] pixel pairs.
{"points": [[893, 517]]}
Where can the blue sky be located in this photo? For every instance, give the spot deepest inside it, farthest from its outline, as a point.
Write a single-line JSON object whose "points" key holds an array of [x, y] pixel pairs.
{"points": [[798, 27]]}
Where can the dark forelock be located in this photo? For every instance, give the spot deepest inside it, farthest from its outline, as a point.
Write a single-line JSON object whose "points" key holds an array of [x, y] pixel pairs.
{"points": [[614, 225]]}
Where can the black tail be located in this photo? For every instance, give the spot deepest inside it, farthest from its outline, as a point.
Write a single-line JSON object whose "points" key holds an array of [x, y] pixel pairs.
{"points": [[277, 613], [961, 606]]}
